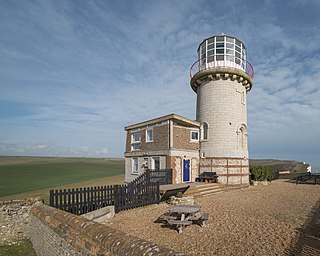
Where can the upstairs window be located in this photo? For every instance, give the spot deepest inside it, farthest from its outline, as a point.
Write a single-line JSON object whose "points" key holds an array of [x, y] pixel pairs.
{"points": [[194, 136], [135, 141], [135, 137], [149, 134]]}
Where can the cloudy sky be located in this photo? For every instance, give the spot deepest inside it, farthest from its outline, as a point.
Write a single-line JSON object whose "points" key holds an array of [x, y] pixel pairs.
{"points": [[74, 73]]}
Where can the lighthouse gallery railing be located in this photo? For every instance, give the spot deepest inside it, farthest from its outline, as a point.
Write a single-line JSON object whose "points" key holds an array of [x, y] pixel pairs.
{"points": [[222, 61]]}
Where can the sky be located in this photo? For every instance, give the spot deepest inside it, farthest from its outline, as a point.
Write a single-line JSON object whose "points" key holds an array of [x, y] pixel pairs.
{"points": [[73, 74]]}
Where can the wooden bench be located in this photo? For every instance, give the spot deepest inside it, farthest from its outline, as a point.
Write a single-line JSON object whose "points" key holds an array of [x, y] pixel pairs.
{"points": [[180, 224], [207, 177], [308, 177]]}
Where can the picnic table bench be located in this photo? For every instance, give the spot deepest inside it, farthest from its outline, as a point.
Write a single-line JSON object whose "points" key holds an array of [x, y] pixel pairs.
{"points": [[181, 216], [305, 177], [207, 177]]}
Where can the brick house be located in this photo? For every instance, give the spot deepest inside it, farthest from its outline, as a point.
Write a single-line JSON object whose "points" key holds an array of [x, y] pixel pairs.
{"points": [[167, 142]]}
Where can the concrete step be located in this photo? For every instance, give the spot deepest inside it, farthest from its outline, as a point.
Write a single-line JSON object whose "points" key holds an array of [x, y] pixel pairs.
{"points": [[207, 189]]}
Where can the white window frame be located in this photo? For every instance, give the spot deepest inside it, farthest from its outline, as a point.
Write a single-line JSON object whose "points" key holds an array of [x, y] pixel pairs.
{"points": [[135, 166], [132, 137], [191, 139], [147, 136], [135, 143]]}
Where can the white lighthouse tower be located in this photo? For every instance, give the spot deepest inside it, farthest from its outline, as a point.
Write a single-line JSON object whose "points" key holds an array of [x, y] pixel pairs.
{"points": [[221, 77]]}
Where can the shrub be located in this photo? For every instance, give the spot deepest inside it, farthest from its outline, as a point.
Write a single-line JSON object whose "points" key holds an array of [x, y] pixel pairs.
{"points": [[261, 173]]}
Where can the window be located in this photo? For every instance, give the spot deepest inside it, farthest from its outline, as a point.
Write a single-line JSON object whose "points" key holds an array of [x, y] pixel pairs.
{"points": [[149, 135], [135, 137], [156, 163], [194, 135], [136, 146], [135, 141], [135, 166], [204, 131]]}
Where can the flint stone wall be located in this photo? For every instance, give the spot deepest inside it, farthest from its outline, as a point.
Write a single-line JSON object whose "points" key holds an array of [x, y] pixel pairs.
{"points": [[54, 232]]}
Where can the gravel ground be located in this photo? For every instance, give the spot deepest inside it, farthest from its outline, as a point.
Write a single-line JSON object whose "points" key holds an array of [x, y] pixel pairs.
{"points": [[279, 219]]}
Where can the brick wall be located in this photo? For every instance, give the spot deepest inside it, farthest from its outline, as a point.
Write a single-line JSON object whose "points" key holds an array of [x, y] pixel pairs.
{"points": [[160, 139], [54, 232], [182, 139], [128, 141]]}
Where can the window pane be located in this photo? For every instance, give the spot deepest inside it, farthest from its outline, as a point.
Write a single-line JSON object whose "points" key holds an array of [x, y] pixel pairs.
{"points": [[230, 45], [150, 135], [238, 49], [135, 136], [205, 131], [230, 58], [220, 51], [220, 45], [135, 165], [210, 46], [229, 39], [195, 135], [211, 52], [220, 38], [136, 146], [210, 59], [220, 57], [228, 51], [238, 43], [210, 40]]}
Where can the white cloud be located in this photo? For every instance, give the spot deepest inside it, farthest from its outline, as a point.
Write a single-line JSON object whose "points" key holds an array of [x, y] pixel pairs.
{"points": [[82, 72]]}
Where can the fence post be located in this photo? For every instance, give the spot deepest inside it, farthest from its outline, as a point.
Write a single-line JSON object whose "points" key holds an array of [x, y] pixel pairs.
{"points": [[51, 198], [116, 198]]}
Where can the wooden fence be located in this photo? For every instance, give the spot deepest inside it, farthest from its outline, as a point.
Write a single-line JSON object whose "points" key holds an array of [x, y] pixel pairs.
{"points": [[144, 190]]}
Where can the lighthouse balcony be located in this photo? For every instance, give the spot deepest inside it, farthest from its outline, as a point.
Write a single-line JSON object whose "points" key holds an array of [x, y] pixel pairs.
{"points": [[222, 61]]}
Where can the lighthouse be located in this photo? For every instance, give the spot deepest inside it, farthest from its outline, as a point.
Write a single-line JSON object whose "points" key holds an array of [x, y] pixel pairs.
{"points": [[221, 78]]}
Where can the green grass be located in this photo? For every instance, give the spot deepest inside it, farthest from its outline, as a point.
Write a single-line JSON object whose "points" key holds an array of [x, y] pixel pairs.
{"points": [[23, 248], [38, 173]]}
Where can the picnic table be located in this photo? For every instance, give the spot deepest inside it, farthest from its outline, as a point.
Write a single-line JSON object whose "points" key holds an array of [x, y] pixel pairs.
{"points": [[181, 216]]}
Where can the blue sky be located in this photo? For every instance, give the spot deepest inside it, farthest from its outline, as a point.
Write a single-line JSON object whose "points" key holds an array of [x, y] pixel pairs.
{"points": [[74, 73]]}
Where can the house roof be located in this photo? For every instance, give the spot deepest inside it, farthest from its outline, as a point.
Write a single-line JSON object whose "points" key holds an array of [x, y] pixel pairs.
{"points": [[174, 117]]}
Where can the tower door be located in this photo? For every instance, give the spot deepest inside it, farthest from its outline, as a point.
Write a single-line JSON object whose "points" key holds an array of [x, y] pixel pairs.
{"points": [[186, 170]]}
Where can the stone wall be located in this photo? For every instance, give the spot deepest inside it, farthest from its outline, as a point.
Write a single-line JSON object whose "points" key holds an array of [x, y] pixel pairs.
{"points": [[54, 232], [14, 219]]}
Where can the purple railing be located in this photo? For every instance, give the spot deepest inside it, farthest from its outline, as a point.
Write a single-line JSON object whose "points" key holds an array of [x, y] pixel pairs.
{"points": [[223, 61]]}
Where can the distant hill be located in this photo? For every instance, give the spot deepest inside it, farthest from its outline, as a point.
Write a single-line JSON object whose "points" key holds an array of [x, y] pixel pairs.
{"points": [[280, 165]]}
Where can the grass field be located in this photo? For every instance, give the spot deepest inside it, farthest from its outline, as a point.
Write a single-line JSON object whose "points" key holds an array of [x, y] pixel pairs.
{"points": [[22, 177]]}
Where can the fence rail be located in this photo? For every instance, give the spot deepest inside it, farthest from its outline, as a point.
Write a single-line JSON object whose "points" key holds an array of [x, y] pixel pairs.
{"points": [[142, 191], [223, 61]]}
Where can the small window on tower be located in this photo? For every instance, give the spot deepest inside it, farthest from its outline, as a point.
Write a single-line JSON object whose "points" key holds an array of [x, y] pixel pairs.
{"points": [[204, 131]]}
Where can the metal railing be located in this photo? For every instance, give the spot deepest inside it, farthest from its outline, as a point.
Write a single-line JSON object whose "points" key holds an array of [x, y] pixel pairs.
{"points": [[221, 61]]}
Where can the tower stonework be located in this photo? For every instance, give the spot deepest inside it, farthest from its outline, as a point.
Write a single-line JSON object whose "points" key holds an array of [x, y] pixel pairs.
{"points": [[221, 78]]}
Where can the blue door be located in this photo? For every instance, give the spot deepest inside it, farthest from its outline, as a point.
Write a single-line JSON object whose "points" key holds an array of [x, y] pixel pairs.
{"points": [[186, 170]]}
